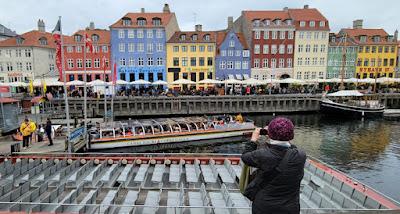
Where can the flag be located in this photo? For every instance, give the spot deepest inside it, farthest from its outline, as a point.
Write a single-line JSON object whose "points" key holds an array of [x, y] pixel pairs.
{"points": [[44, 86], [88, 43], [104, 67], [57, 39], [115, 73], [30, 86]]}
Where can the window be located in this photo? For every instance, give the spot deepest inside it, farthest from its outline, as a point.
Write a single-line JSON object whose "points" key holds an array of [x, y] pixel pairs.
{"points": [[323, 35], [141, 21], [230, 53], [126, 21], [19, 66], [314, 75], [210, 61], [322, 24], [256, 34], [312, 23], [322, 61], [290, 49], [315, 49], [1, 67], [281, 49], [373, 62], [273, 63], [121, 47], [131, 47], [282, 35], [79, 63], [256, 49], [202, 48], [159, 34], [386, 49], [290, 35], [150, 48], [231, 43], [70, 63], [51, 67], [265, 49], [274, 34], [300, 48], [373, 49], [184, 61], [131, 61], [281, 62], [299, 61], [121, 34], [201, 61], [302, 23], [104, 49], [289, 62], [70, 49], [210, 48], [256, 63], [308, 47], [140, 47], [246, 53], [274, 49], [89, 63], [307, 61], [97, 63], [366, 62], [160, 47], [207, 37], [192, 48], [140, 34], [314, 60], [175, 61], [391, 62], [175, 49], [149, 34], [308, 35], [140, 61], [10, 67], [385, 62], [223, 53], [392, 49], [266, 34], [28, 53], [192, 61], [301, 35], [306, 74], [238, 53], [245, 65], [184, 48], [229, 65], [298, 75], [316, 35], [156, 21], [265, 63], [194, 37], [18, 53], [150, 61], [323, 48], [238, 65], [160, 61]]}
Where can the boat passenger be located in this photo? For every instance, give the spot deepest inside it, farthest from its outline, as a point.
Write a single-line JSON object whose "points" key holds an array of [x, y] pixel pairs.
{"points": [[239, 118], [280, 169]]}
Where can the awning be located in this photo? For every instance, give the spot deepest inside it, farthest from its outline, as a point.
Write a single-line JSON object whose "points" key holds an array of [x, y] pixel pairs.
{"points": [[8, 100], [239, 77], [346, 93]]}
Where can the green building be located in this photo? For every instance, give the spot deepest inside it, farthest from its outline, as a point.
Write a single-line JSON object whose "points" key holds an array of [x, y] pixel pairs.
{"points": [[335, 57]]}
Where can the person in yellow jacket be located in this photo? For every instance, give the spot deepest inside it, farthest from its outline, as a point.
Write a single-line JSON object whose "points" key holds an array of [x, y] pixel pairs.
{"points": [[27, 128], [239, 118]]}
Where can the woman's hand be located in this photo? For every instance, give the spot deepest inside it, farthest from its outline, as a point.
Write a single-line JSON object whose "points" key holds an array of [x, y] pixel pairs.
{"points": [[256, 135]]}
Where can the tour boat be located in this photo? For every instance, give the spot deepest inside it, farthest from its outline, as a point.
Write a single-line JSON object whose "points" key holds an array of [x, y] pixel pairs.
{"points": [[155, 134], [346, 104], [163, 183]]}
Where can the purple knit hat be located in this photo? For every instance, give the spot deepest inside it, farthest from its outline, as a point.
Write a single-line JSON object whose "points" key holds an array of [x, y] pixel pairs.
{"points": [[281, 129]]}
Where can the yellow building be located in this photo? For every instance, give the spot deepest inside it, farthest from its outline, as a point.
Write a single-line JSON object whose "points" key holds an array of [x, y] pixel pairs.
{"points": [[191, 55], [377, 51]]}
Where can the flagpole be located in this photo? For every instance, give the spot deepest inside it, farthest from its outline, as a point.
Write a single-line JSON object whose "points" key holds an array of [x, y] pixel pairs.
{"points": [[112, 93], [84, 91], [105, 86], [65, 89]]}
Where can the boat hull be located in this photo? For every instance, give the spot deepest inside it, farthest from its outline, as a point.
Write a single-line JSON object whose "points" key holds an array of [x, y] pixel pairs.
{"points": [[341, 110]]}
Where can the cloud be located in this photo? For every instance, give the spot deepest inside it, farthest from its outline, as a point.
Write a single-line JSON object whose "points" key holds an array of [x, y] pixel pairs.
{"points": [[22, 15]]}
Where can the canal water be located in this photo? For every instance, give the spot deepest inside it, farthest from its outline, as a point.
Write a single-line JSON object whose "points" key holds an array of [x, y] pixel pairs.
{"points": [[367, 150]]}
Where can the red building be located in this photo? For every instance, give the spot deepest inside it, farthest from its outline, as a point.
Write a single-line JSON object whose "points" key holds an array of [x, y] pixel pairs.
{"points": [[271, 36], [73, 55]]}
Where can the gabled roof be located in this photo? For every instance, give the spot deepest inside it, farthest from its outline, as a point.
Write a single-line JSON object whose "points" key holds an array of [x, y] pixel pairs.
{"points": [[104, 36], [370, 33], [165, 18], [6, 31], [221, 35], [307, 15], [176, 38], [349, 41], [266, 14], [30, 39]]}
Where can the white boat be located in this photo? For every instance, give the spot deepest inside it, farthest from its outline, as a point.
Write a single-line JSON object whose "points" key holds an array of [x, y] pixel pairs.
{"points": [[149, 134]]}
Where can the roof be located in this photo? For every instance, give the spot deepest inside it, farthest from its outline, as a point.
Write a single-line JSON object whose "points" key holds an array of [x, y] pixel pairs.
{"points": [[346, 93], [165, 18], [200, 35], [8, 100], [221, 35], [30, 39], [266, 14], [370, 33], [104, 36], [308, 14], [6, 31], [338, 42]]}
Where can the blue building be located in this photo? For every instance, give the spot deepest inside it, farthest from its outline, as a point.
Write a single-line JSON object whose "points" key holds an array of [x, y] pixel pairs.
{"points": [[233, 55], [138, 44]]}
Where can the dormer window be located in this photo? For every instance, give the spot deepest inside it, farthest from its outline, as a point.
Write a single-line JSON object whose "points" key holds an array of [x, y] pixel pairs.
{"points": [[333, 39], [312, 24], [20, 40], [363, 38], [141, 22], [2, 30], [302, 23], [156, 22], [376, 38], [194, 37], [256, 23], [77, 38], [278, 22], [207, 37], [322, 24], [43, 41], [182, 37], [289, 22], [95, 38], [126, 21]]}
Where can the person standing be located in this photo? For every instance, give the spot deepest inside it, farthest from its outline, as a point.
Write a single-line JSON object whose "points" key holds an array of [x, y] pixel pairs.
{"points": [[48, 130], [26, 130]]}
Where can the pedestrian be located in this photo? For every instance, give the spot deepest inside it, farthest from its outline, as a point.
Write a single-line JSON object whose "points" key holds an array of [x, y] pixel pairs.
{"points": [[280, 169], [26, 128], [48, 129]]}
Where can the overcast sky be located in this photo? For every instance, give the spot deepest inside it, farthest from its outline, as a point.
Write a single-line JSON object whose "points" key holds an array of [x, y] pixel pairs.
{"points": [[22, 15]]}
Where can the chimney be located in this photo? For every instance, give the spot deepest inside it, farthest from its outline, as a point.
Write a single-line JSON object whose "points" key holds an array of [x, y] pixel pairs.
{"points": [[358, 24], [286, 9], [306, 6], [142, 10], [166, 9], [41, 26], [198, 28], [91, 26], [230, 22], [396, 35]]}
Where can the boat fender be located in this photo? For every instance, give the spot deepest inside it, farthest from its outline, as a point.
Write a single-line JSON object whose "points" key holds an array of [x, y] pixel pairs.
{"points": [[110, 161], [18, 160], [83, 161], [31, 160], [182, 162], [196, 161], [44, 160], [138, 161], [69, 161], [167, 162], [212, 162], [56, 161], [5, 160], [152, 161], [96, 161], [124, 162]]}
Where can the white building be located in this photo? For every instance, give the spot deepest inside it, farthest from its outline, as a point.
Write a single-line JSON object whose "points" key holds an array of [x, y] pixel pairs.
{"points": [[28, 56], [6, 33]]}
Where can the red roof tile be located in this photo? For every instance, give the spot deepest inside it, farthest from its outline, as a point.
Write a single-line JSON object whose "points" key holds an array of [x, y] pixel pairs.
{"points": [[266, 14], [30, 39], [221, 35], [104, 36], [165, 18], [370, 33], [200, 37], [308, 14]]}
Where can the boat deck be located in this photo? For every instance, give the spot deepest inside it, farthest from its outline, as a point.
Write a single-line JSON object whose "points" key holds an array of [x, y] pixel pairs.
{"points": [[151, 183]]}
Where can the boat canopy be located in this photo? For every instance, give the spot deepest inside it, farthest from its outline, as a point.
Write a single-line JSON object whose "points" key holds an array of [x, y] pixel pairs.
{"points": [[346, 93]]}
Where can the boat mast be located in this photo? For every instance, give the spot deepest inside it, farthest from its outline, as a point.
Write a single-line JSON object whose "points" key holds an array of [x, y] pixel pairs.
{"points": [[344, 51]]}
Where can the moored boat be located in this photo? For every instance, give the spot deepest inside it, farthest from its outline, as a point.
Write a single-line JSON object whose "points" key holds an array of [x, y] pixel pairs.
{"points": [[151, 134]]}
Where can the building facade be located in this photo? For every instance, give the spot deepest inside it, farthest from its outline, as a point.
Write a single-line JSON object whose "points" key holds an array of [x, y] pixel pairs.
{"points": [[337, 43], [28, 56], [311, 43], [138, 44], [96, 61], [377, 51], [232, 58], [271, 38], [6, 33], [191, 55]]}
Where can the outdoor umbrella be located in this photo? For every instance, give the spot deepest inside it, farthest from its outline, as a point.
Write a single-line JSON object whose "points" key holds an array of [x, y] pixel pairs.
{"points": [[291, 81], [54, 83], [209, 81], [367, 80], [121, 82], [232, 81], [351, 80], [140, 82], [98, 83], [385, 80], [252, 81], [183, 82], [334, 80], [270, 81], [159, 82], [16, 84], [76, 83]]}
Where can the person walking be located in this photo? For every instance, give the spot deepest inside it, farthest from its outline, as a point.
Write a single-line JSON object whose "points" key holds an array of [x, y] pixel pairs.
{"points": [[280, 169], [48, 129]]}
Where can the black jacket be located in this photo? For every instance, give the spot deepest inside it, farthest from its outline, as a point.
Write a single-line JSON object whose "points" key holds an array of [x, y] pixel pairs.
{"points": [[280, 194], [47, 128]]}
